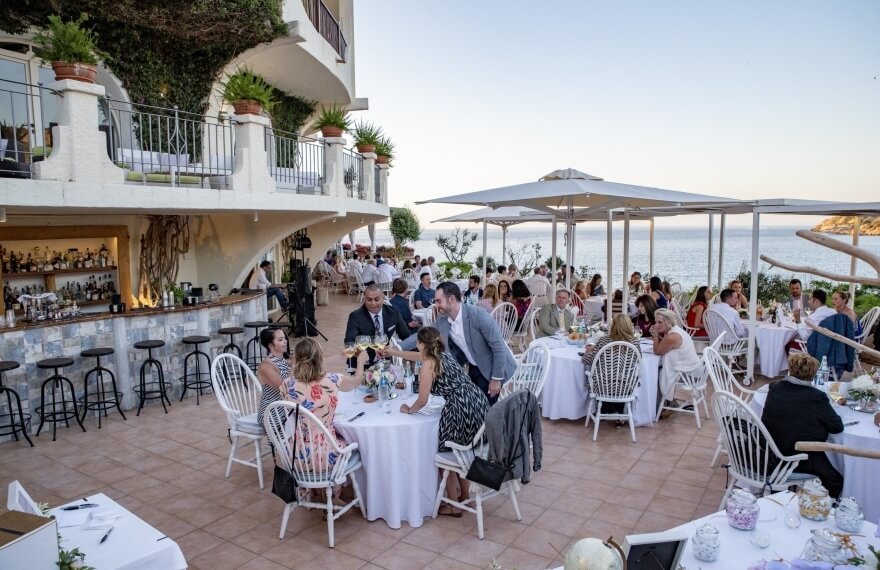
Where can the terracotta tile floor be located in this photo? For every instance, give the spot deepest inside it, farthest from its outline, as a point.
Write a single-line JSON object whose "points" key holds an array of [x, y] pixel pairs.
{"points": [[168, 469]]}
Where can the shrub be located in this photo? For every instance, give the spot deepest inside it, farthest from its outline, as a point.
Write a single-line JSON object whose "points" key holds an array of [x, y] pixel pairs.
{"points": [[244, 84], [68, 42]]}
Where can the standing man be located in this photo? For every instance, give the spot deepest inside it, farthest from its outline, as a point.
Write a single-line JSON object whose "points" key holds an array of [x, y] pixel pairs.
{"points": [[423, 296], [796, 301], [259, 280], [372, 317], [549, 315]]}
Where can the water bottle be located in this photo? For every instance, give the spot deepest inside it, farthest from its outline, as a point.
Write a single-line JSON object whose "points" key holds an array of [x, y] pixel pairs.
{"points": [[823, 373], [409, 380], [415, 384], [385, 395]]}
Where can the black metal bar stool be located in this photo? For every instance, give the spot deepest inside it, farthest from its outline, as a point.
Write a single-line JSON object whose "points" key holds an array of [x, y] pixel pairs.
{"points": [[64, 410], [154, 389], [196, 379], [102, 399], [231, 347], [17, 421], [254, 352]]}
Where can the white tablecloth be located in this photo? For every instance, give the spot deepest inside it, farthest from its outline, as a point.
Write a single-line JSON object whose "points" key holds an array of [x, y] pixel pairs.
{"points": [[399, 480], [133, 544], [565, 394], [771, 340], [859, 473]]}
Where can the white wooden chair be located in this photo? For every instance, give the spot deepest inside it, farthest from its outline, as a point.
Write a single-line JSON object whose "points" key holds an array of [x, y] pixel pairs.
{"points": [[531, 372], [312, 471], [533, 325], [522, 330], [867, 321], [755, 460], [614, 376], [238, 393], [731, 346], [723, 380], [691, 382], [459, 461], [412, 280], [679, 309], [505, 316]]}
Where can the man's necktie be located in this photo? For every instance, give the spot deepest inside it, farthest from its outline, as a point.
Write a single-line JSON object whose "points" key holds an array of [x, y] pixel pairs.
{"points": [[376, 324]]}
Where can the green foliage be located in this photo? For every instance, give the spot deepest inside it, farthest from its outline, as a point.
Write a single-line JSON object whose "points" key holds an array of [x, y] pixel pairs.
{"points": [[72, 560], [464, 269], [491, 264], [456, 245], [68, 41], [526, 258], [586, 271], [549, 262], [290, 113], [334, 116], [245, 84], [364, 132], [771, 287], [384, 147], [404, 227]]}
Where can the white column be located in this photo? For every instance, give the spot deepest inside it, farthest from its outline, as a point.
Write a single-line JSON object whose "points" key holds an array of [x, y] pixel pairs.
{"points": [[371, 229], [857, 229], [369, 175], [569, 239], [651, 247], [624, 278], [383, 183], [504, 244], [721, 251], [553, 254], [610, 253], [711, 247], [753, 294], [79, 151], [251, 172], [334, 169], [485, 236]]}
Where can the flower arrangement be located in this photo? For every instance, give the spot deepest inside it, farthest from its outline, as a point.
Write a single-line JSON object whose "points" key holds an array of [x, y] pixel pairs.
{"points": [[382, 371], [864, 389]]}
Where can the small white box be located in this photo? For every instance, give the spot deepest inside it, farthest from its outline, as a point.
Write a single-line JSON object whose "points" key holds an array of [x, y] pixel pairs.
{"points": [[28, 541]]}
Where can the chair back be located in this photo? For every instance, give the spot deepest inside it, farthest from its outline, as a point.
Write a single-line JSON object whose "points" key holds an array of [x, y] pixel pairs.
{"points": [[753, 455], [723, 379], [523, 329], [533, 324], [320, 460], [531, 373], [716, 324], [412, 280], [237, 389], [868, 321], [576, 302], [615, 372], [505, 317]]}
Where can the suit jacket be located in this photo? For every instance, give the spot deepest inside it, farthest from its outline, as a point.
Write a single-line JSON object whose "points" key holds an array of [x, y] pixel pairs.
{"points": [[484, 342], [511, 425], [360, 322], [790, 302], [838, 354], [795, 411], [547, 320]]}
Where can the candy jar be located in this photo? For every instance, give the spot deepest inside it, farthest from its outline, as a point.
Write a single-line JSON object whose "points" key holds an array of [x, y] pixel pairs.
{"points": [[742, 510], [823, 546], [848, 515], [706, 543], [813, 501]]}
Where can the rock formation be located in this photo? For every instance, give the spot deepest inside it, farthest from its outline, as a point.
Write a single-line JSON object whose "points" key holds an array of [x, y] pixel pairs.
{"points": [[844, 224]]}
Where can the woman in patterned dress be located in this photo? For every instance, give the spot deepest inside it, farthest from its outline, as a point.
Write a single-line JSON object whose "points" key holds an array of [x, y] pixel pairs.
{"points": [[466, 405], [274, 369]]}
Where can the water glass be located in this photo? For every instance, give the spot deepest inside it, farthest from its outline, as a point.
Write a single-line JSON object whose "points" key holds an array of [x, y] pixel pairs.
{"points": [[385, 397]]}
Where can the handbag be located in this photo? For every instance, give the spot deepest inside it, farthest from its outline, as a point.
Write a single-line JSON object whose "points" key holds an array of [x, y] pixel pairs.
{"points": [[486, 473], [283, 482]]}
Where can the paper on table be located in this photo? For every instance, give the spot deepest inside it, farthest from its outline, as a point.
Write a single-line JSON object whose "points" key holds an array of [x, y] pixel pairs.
{"points": [[71, 518], [102, 520]]}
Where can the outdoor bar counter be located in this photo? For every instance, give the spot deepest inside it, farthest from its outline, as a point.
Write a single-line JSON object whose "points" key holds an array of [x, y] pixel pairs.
{"points": [[28, 343]]}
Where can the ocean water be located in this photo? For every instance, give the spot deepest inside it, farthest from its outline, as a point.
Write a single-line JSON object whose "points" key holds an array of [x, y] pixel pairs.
{"points": [[680, 253]]}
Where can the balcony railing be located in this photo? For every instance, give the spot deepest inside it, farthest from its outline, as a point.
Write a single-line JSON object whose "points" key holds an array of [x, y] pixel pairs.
{"points": [[353, 173], [25, 126], [295, 162], [327, 25], [157, 145], [378, 185]]}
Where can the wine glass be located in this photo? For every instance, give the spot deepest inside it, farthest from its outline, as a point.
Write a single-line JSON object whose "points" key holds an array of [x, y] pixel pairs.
{"points": [[380, 341], [363, 342], [349, 350]]}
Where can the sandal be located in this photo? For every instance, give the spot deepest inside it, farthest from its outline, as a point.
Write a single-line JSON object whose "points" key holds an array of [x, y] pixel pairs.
{"points": [[449, 512]]}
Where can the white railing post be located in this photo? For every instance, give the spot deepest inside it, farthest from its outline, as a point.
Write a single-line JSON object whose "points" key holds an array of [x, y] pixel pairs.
{"points": [[383, 183], [251, 171], [334, 167], [369, 175], [79, 149]]}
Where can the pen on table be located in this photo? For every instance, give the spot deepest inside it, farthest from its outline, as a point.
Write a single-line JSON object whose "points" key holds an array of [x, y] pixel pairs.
{"points": [[356, 416], [103, 538], [851, 423], [77, 507]]}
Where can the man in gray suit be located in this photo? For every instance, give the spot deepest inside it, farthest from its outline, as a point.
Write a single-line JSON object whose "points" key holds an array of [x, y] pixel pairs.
{"points": [[472, 337], [796, 301]]}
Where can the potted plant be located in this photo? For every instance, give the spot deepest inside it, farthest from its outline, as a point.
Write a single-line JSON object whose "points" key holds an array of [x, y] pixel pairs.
{"points": [[70, 48], [384, 150], [366, 135], [249, 93], [333, 121]]}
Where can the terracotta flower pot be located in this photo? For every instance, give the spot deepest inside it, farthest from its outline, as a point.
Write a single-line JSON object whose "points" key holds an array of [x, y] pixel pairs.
{"points": [[381, 159], [331, 132], [247, 107], [77, 71], [363, 148]]}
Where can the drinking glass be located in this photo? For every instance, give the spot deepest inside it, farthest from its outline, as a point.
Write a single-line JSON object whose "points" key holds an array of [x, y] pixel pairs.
{"points": [[363, 342], [380, 341], [349, 350]]}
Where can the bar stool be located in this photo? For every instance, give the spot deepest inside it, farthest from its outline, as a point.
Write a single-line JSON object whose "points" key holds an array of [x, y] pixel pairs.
{"points": [[253, 351], [102, 399], [14, 426], [231, 347], [67, 408], [158, 389], [194, 380]]}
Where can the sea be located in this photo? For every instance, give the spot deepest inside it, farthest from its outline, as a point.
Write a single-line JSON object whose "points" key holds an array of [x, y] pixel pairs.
{"points": [[680, 253]]}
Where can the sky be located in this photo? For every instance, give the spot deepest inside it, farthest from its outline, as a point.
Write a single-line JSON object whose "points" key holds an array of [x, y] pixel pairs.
{"points": [[742, 99]]}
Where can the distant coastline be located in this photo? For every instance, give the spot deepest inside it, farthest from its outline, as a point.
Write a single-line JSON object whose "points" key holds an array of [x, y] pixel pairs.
{"points": [[844, 225]]}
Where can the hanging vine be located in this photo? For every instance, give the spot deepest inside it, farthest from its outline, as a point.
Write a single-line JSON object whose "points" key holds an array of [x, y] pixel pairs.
{"points": [[166, 238]]}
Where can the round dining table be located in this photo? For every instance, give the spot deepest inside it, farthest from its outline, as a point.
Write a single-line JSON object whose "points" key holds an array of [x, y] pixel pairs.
{"points": [[771, 341], [565, 394], [399, 480], [859, 473]]}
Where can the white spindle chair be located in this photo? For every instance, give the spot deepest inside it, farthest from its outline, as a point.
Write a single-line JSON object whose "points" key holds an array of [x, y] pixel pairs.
{"points": [[682, 316], [723, 380], [755, 460], [691, 382], [614, 375], [312, 471], [384, 285], [459, 461], [412, 280], [867, 321], [505, 316], [522, 330], [238, 393], [731, 346], [531, 372]]}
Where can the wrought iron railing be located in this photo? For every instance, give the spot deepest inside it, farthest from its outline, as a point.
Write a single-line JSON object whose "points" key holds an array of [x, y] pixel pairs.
{"points": [[378, 185], [158, 145], [353, 173], [327, 25], [25, 128], [295, 162]]}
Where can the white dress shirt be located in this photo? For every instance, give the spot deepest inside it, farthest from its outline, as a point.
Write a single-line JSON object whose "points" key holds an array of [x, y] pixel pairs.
{"points": [[388, 273], [731, 316], [456, 331], [817, 317], [259, 280], [369, 273]]}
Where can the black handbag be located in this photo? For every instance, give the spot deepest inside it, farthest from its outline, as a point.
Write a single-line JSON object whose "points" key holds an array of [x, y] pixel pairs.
{"points": [[489, 473], [283, 482]]}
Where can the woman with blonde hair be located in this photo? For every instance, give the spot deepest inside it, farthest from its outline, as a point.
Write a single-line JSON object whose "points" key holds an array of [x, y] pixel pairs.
{"points": [[621, 331], [676, 346], [490, 297], [840, 303], [466, 405], [580, 289]]}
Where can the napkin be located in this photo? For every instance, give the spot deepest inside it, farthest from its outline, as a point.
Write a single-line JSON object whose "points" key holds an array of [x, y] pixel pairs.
{"points": [[102, 520]]}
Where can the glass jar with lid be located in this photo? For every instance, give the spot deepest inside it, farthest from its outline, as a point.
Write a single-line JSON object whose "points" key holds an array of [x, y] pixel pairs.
{"points": [[813, 501], [742, 510], [848, 515], [706, 543], [823, 546]]}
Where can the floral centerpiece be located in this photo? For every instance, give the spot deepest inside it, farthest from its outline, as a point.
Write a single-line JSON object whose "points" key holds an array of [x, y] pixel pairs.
{"points": [[866, 392], [382, 371]]}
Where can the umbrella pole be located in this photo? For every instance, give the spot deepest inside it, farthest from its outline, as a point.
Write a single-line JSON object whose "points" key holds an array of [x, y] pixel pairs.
{"points": [[553, 255], [711, 247], [625, 289], [651, 247], [721, 250], [857, 229], [610, 258], [504, 244], [753, 295], [483, 276]]}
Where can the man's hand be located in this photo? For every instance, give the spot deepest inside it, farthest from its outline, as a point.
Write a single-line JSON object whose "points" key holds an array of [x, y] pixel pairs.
{"points": [[494, 387], [796, 315]]}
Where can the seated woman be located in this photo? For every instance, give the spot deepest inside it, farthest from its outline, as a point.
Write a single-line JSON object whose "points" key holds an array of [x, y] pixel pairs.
{"points": [[490, 297], [274, 369], [316, 391], [521, 298], [741, 301], [795, 411], [580, 289], [676, 347], [466, 405], [399, 301], [616, 304], [504, 292], [338, 265], [645, 319], [655, 285], [697, 309], [595, 288], [513, 271], [621, 330], [840, 303]]}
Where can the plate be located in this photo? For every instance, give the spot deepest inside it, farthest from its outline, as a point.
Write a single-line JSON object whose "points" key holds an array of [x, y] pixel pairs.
{"points": [[859, 408]]}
